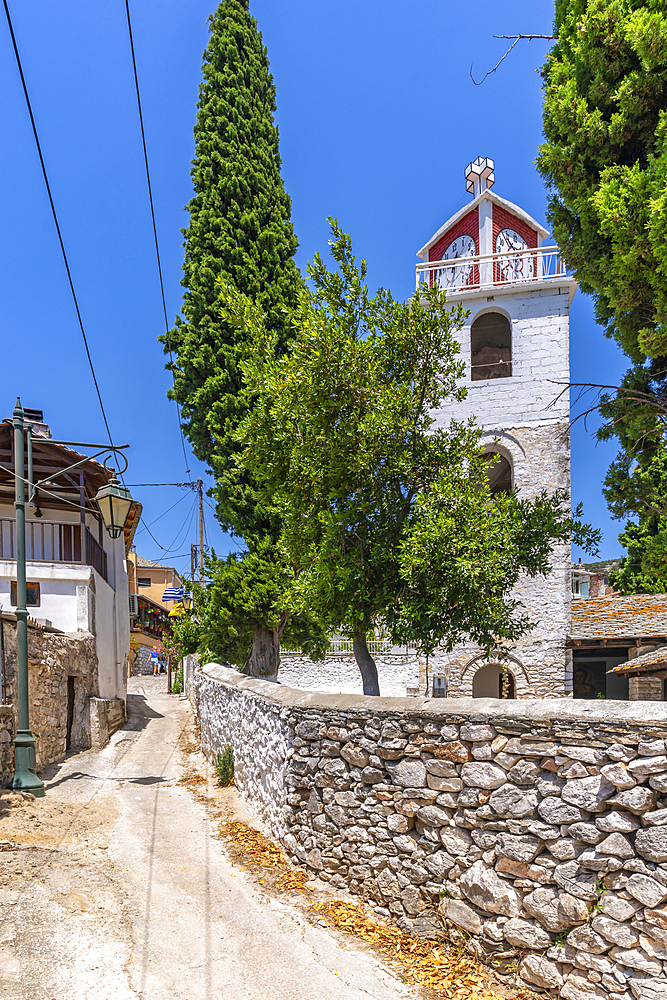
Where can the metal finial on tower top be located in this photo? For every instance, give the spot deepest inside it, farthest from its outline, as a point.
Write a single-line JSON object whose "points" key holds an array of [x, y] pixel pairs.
{"points": [[479, 175]]}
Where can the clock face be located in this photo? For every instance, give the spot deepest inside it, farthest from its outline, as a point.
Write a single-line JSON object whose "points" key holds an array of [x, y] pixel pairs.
{"points": [[515, 264], [459, 274]]}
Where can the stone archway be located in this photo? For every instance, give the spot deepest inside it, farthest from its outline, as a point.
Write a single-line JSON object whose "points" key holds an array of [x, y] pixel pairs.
{"points": [[493, 680], [521, 687]]}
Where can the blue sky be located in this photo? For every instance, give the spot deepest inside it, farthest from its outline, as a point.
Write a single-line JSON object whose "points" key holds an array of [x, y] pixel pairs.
{"points": [[378, 117]]}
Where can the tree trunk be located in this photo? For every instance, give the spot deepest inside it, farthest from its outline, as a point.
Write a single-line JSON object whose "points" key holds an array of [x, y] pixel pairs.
{"points": [[265, 654], [366, 664]]}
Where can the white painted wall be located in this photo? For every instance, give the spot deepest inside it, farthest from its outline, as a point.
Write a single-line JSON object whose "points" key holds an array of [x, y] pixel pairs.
{"points": [[60, 587], [525, 420], [106, 638], [340, 675], [540, 358], [75, 598]]}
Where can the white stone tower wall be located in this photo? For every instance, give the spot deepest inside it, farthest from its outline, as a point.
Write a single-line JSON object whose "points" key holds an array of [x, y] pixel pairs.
{"points": [[526, 418]]}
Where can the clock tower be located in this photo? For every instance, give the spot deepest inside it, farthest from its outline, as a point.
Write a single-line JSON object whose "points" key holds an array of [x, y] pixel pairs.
{"points": [[491, 257]]}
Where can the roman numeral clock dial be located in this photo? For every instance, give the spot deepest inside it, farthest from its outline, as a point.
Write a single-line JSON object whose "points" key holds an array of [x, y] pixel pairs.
{"points": [[460, 273], [515, 264]]}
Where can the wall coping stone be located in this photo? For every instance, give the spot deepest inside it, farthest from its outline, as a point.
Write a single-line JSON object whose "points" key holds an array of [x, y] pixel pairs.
{"points": [[542, 710]]}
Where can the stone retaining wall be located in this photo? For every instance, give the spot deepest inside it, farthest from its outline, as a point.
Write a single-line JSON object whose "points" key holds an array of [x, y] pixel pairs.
{"points": [[54, 658], [537, 828], [6, 747]]}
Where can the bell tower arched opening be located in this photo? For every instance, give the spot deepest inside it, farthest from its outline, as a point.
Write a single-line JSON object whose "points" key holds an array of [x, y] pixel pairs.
{"points": [[490, 347], [499, 471]]}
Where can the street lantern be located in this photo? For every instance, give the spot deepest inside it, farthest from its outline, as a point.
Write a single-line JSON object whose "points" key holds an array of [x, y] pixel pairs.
{"points": [[114, 502]]}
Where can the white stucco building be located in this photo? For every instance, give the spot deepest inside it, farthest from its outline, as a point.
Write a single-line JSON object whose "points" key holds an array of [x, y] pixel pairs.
{"points": [[76, 573]]}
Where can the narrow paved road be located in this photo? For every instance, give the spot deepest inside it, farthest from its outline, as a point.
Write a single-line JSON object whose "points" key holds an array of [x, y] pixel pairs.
{"points": [[129, 896]]}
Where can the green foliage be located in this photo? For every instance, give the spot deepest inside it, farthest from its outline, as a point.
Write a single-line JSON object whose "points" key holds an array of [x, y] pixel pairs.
{"points": [[239, 230], [605, 158], [240, 234], [387, 518], [224, 765], [640, 486], [248, 592]]}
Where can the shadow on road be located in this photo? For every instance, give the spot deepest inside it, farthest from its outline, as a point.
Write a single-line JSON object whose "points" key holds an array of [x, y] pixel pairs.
{"points": [[77, 775], [139, 712]]}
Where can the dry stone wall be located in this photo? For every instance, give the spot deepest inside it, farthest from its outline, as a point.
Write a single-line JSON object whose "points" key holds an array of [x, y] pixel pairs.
{"points": [[56, 660], [6, 746], [537, 830]]}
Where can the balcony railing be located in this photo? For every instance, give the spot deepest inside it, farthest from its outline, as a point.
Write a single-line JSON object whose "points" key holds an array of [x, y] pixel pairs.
{"points": [[54, 541], [492, 270]]}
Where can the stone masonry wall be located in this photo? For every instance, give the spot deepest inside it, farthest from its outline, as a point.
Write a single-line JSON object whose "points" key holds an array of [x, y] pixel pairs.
{"points": [[6, 747], [540, 661], [645, 688], [535, 829], [52, 658]]}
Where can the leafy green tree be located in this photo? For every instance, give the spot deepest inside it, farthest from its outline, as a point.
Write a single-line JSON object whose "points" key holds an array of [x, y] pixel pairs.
{"points": [[605, 159], [239, 233], [643, 487], [244, 607], [387, 518]]}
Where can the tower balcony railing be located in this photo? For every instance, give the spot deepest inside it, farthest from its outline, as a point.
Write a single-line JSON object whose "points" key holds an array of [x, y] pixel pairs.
{"points": [[520, 267]]}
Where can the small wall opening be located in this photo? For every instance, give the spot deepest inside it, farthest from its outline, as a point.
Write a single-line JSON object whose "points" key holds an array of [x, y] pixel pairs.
{"points": [[490, 347], [491, 682], [499, 472]]}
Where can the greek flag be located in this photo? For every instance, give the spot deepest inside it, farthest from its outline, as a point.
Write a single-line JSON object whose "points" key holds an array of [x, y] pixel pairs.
{"points": [[175, 594]]}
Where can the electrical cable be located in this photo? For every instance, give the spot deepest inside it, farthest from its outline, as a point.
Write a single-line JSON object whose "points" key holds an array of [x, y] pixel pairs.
{"points": [[189, 485], [180, 500], [157, 245], [173, 545], [185, 528], [55, 218]]}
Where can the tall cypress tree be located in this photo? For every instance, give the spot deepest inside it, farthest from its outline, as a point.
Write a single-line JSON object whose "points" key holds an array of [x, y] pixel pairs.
{"points": [[240, 234]]}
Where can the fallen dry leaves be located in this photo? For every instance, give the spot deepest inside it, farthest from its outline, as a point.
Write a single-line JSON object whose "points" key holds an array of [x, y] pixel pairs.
{"points": [[259, 854], [192, 778], [444, 971]]}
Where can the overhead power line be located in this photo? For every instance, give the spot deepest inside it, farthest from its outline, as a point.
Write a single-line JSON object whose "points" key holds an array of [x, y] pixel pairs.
{"points": [[55, 217], [157, 245]]}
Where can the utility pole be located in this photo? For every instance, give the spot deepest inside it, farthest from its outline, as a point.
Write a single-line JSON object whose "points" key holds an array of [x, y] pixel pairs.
{"points": [[200, 489]]}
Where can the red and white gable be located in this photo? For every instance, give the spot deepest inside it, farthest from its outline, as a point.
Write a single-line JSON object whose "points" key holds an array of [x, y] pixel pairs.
{"points": [[485, 226]]}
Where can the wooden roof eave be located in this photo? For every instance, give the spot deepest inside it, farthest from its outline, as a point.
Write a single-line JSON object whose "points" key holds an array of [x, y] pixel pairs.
{"points": [[132, 524]]}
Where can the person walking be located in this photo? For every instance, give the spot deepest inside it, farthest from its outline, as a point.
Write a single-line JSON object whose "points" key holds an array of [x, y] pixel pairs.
{"points": [[155, 661]]}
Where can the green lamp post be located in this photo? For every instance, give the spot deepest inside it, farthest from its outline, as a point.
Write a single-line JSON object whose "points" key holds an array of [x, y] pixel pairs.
{"points": [[25, 779], [114, 502]]}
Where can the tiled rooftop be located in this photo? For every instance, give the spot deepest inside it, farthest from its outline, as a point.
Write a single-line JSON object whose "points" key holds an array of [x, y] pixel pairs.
{"points": [[657, 658], [640, 615], [148, 564]]}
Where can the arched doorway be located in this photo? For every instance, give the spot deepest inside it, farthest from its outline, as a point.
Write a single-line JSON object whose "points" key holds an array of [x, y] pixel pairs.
{"points": [[491, 681]]}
